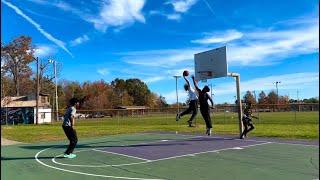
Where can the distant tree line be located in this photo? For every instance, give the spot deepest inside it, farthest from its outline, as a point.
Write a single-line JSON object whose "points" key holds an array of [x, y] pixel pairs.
{"points": [[17, 78]]}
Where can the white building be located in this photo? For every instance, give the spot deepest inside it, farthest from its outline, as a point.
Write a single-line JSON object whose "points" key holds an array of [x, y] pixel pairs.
{"points": [[22, 109]]}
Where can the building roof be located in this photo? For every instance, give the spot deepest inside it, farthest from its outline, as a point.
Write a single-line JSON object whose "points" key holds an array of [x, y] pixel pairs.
{"points": [[22, 101]]}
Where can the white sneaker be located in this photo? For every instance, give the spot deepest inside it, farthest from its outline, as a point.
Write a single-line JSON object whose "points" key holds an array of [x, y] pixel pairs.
{"points": [[209, 132]]}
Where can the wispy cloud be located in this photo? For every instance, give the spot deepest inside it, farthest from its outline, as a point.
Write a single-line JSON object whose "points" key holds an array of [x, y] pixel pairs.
{"points": [[253, 48], [103, 71], [170, 16], [288, 82], [219, 37], [43, 51], [111, 13], [79, 40], [36, 25], [182, 6], [153, 79]]}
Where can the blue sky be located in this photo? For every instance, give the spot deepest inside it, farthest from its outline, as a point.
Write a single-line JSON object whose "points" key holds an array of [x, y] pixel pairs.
{"points": [[153, 40]]}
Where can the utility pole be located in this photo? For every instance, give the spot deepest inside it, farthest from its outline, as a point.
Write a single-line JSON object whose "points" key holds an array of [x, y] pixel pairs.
{"points": [[255, 98], [211, 89], [56, 87], [297, 96], [277, 82], [177, 90], [37, 95]]}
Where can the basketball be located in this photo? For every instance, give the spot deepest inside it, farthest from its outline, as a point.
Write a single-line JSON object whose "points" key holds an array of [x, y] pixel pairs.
{"points": [[186, 73]]}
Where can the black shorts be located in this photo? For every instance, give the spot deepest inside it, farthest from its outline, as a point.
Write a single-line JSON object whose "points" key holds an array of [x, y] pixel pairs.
{"points": [[246, 121]]}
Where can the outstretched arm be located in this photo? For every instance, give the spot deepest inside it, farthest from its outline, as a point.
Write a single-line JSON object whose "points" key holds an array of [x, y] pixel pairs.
{"points": [[195, 83], [187, 81]]}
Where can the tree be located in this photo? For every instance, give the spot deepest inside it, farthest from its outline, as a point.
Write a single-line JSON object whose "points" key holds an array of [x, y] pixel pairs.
{"points": [[263, 99], [17, 55], [249, 98], [139, 91], [272, 98]]}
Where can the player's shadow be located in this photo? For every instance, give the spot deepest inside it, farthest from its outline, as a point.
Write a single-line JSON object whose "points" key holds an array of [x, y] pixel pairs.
{"points": [[25, 158]]}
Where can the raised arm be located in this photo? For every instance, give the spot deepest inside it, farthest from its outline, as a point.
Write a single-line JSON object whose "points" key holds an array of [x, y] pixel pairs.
{"points": [[195, 83], [189, 85]]}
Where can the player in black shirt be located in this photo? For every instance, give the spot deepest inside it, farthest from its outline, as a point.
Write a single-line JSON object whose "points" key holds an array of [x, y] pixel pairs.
{"points": [[204, 106], [247, 121]]}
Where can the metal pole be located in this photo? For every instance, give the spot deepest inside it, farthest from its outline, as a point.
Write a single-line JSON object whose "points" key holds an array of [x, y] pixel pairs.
{"points": [[237, 76], [278, 95], [37, 95], [177, 90], [56, 90]]}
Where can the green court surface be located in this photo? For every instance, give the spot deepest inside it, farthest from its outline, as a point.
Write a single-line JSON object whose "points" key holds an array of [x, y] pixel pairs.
{"points": [[162, 156]]}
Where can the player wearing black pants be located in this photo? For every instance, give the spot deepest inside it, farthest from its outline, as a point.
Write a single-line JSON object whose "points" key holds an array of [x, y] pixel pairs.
{"points": [[247, 121], [204, 106], [69, 129], [192, 105]]}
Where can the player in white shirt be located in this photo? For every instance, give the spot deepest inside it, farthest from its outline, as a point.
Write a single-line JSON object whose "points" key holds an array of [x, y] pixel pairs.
{"points": [[192, 105]]}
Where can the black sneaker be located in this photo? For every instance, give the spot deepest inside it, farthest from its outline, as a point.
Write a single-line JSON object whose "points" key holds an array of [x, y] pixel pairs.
{"points": [[189, 123], [209, 132], [178, 117]]}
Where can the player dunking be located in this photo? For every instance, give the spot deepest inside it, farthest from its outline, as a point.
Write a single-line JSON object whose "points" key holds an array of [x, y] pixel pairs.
{"points": [[247, 121], [192, 104]]}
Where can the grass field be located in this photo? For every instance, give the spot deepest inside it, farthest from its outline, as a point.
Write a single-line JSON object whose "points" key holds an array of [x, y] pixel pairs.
{"points": [[291, 125]]}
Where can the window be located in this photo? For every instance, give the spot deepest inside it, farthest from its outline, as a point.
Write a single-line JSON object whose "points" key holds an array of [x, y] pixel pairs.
{"points": [[43, 115], [43, 99]]}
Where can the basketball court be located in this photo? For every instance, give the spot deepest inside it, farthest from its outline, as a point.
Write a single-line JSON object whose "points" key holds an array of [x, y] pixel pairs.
{"points": [[164, 155]]}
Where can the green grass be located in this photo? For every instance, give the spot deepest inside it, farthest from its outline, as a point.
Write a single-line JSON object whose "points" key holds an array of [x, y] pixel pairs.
{"points": [[291, 125]]}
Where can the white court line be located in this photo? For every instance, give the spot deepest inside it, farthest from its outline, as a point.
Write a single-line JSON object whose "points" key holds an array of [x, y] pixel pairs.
{"points": [[237, 139], [173, 157], [278, 142], [88, 174], [119, 177], [121, 154]]}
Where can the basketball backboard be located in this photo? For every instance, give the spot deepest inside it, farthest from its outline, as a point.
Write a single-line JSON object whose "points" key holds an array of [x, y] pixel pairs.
{"points": [[211, 64]]}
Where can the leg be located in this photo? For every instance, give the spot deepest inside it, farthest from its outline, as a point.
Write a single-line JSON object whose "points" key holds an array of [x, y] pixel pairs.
{"points": [[251, 127], [245, 131], [73, 138], [194, 108], [187, 111], [206, 116]]}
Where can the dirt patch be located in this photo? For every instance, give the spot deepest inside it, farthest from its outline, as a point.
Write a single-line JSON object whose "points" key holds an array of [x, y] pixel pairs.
{"points": [[6, 142]]}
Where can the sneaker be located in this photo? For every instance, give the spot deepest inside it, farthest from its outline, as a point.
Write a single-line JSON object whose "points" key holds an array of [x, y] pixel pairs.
{"points": [[209, 132], [72, 155], [178, 117], [189, 123], [69, 155]]}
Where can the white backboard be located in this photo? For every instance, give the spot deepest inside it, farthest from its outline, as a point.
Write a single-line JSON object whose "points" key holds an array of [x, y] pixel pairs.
{"points": [[211, 64]]}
